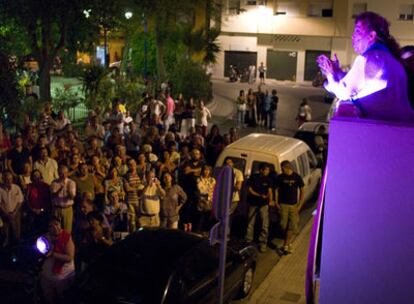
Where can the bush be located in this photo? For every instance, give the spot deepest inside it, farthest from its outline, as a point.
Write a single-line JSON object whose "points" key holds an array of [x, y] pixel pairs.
{"points": [[11, 92], [72, 69], [130, 93], [65, 99], [191, 79]]}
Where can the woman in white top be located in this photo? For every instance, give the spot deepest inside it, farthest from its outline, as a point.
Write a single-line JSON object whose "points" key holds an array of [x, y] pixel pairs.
{"points": [[202, 115], [205, 186], [304, 113]]}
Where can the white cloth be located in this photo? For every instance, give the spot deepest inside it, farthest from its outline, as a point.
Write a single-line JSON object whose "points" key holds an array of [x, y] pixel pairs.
{"points": [[378, 83]]}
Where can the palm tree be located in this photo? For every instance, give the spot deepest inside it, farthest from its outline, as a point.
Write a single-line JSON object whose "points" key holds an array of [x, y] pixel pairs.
{"points": [[165, 16]]}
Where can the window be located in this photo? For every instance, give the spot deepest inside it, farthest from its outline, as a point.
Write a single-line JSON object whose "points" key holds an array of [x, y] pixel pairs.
{"points": [[238, 163], [304, 165], [312, 160], [358, 8], [295, 166], [320, 9], [288, 8], [406, 12], [256, 166]]}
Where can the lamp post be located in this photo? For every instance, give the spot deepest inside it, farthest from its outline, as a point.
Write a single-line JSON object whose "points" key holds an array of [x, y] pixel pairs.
{"points": [[124, 67]]}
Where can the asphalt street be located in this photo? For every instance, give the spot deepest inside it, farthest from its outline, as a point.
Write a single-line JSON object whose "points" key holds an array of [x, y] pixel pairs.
{"points": [[290, 96]]}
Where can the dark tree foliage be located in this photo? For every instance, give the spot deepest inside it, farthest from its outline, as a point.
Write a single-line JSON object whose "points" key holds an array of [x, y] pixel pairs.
{"points": [[55, 25], [9, 94]]}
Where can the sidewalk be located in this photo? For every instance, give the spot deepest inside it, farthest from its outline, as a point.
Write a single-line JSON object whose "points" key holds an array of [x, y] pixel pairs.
{"points": [[285, 284]]}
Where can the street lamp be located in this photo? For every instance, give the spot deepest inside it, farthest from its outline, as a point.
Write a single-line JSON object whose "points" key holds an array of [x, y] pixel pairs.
{"points": [[87, 13], [128, 15]]}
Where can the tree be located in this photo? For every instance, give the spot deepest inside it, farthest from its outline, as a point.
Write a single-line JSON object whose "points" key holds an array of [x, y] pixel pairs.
{"points": [[165, 16], [10, 95], [48, 24]]}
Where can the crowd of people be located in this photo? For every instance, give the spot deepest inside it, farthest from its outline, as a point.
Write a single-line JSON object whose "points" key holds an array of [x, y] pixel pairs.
{"points": [[257, 108], [91, 187], [86, 189]]}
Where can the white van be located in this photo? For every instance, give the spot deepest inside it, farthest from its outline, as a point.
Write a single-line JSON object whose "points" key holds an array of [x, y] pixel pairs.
{"points": [[249, 152]]}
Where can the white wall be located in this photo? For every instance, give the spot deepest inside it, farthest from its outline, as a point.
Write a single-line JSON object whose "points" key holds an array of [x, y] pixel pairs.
{"points": [[257, 30], [232, 43]]}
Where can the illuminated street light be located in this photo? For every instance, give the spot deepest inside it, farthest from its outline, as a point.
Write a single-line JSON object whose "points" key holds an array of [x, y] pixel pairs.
{"points": [[128, 15], [87, 13]]}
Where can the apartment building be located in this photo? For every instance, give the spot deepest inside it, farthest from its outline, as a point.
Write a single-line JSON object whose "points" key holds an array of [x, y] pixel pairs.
{"points": [[288, 35]]}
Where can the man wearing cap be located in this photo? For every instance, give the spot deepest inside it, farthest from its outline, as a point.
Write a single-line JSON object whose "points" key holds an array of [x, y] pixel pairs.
{"points": [[289, 198]]}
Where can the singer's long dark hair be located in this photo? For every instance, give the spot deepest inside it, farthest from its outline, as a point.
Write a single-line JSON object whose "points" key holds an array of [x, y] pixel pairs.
{"points": [[381, 26]]}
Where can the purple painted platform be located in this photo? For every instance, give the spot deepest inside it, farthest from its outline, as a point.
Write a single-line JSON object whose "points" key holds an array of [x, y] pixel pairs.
{"points": [[368, 222]]}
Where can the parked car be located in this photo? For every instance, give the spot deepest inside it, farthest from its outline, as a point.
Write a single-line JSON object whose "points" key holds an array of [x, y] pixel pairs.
{"points": [[315, 135], [309, 130], [165, 266]]}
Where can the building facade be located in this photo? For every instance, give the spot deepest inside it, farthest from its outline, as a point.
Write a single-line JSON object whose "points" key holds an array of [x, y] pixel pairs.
{"points": [[288, 35]]}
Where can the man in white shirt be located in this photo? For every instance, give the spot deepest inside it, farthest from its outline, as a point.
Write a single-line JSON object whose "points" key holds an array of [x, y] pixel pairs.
{"points": [[157, 109], [238, 182], [149, 211], [170, 107], [47, 166], [63, 192], [117, 118], [11, 200]]}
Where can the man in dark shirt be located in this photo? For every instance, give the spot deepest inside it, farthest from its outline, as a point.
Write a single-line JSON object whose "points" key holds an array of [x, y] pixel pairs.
{"points": [[17, 157], [191, 170], [259, 194], [289, 187]]}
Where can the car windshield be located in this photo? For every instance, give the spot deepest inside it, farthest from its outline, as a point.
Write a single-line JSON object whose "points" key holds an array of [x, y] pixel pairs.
{"points": [[137, 269]]}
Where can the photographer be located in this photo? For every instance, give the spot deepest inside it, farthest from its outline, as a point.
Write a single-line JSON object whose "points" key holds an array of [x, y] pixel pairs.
{"points": [[149, 209], [59, 268]]}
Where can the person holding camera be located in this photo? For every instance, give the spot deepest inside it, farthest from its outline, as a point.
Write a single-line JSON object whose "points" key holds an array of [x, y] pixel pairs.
{"points": [[149, 209]]}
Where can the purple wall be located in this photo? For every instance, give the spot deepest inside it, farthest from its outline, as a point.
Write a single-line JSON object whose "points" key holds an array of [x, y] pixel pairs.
{"points": [[368, 232]]}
